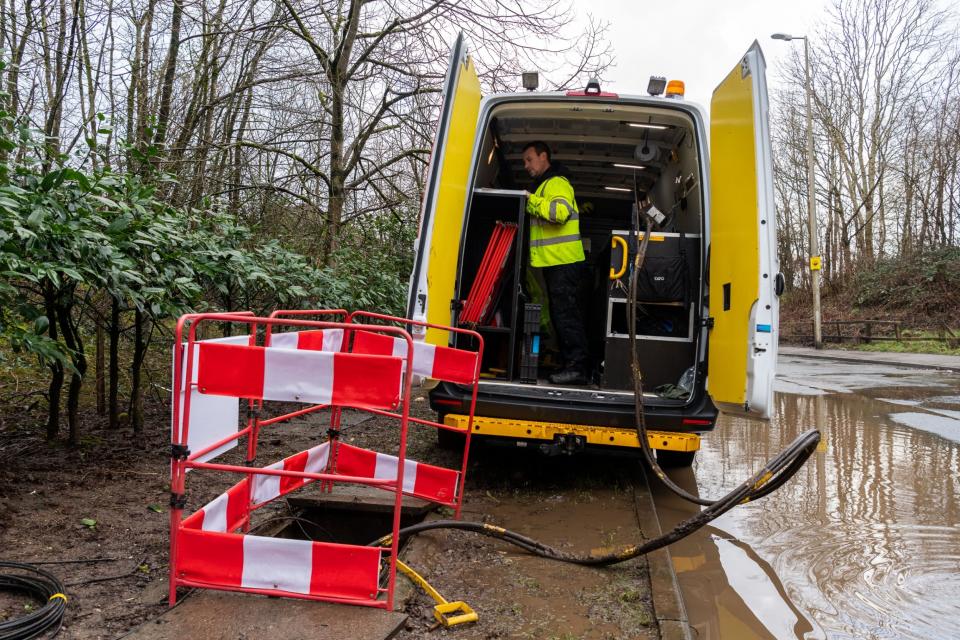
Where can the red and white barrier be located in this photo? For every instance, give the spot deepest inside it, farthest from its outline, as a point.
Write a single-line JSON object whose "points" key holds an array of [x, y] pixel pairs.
{"points": [[227, 512], [212, 418], [210, 548], [278, 566], [426, 481], [431, 361], [267, 488], [319, 377], [317, 340]]}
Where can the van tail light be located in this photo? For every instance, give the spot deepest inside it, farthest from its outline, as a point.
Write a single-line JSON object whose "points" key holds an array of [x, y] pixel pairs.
{"points": [[448, 402], [592, 94], [696, 422]]}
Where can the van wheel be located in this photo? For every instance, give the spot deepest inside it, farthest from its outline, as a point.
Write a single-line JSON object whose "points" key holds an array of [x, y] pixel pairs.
{"points": [[450, 440], [675, 458]]}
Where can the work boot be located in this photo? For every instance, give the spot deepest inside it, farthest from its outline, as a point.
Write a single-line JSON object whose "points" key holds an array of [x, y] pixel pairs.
{"points": [[569, 376]]}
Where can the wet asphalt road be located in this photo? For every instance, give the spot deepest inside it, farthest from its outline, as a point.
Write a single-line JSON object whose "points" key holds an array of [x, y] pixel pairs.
{"points": [[863, 543]]}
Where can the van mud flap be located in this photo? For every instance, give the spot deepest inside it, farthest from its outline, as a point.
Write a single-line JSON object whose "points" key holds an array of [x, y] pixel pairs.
{"points": [[564, 444]]}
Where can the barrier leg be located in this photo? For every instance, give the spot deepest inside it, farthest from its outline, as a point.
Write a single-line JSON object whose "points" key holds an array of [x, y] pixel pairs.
{"points": [[334, 439], [176, 514]]}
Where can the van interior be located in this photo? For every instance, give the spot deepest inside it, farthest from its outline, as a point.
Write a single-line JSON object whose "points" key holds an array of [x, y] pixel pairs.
{"points": [[620, 159]]}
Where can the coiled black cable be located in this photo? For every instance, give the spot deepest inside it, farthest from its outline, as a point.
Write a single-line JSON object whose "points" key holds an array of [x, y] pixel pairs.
{"points": [[42, 585]]}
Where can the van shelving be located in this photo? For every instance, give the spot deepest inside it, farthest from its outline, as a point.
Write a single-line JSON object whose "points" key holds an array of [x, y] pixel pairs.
{"points": [[491, 206]]}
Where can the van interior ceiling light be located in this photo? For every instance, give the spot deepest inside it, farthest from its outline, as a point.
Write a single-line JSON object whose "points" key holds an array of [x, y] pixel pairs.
{"points": [[531, 80], [646, 125], [624, 165], [675, 89], [624, 189], [656, 85]]}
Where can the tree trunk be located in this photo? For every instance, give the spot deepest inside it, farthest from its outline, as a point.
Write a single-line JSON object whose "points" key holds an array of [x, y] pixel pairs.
{"points": [[136, 387], [56, 369], [169, 72], [113, 406], [101, 374], [74, 342]]}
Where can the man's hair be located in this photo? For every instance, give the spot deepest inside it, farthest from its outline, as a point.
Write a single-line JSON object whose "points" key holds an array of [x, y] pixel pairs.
{"points": [[539, 147]]}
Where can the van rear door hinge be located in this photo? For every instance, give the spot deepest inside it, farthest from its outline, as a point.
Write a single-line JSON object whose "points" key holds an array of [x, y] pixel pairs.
{"points": [[706, 322]]}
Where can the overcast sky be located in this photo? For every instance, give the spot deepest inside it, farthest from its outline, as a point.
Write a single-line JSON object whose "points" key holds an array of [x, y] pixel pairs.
{"points": [[697, 41]]}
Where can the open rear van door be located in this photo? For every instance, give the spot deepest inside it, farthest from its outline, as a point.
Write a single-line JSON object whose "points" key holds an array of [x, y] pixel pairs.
{"points": [[444, 201], [743, 250]]}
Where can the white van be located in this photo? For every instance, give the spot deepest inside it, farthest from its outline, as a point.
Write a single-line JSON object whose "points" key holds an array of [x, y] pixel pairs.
{"points": [[708, 339]]}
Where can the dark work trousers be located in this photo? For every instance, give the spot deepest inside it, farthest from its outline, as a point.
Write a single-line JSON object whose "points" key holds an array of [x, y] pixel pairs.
{"points": [[565, 313]]}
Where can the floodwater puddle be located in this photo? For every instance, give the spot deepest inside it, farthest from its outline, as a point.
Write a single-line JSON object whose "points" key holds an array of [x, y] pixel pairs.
{"points": [[863, 543], [934, 422]]}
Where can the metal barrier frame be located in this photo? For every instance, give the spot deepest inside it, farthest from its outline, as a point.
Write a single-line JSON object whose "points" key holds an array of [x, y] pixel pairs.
{"points": [[181, 459]]}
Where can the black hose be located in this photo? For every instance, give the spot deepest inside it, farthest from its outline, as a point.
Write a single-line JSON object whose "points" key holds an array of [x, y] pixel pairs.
{"points": [[43, 586], [772, 476], [768, 479], [787, 463]]}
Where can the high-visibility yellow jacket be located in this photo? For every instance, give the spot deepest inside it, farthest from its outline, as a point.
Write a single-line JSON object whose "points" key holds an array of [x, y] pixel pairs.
{"points": [[554, 224]]}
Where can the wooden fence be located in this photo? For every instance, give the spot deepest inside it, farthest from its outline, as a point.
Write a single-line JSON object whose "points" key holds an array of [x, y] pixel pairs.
{"points": [[854, 331]]}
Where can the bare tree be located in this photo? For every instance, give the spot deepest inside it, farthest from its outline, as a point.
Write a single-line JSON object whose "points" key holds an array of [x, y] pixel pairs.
{"points": [[884, 114]]}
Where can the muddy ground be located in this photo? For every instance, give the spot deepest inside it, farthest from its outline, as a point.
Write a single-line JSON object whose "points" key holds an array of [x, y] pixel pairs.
{"points": [[50, 495]]}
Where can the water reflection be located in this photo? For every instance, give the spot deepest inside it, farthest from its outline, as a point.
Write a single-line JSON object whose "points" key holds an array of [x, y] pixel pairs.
{"points": [[863, 543]]}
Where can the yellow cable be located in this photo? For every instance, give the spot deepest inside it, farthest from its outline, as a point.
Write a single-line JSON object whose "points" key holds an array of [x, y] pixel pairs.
{"points": [[58, 595]]}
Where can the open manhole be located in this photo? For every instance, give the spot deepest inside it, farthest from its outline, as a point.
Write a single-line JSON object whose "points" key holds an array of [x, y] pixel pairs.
{"points": [[349, 515]]}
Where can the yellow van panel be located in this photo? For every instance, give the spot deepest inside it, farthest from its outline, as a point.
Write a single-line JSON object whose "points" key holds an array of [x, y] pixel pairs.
{"points": [[451, 197], [734, 234]]}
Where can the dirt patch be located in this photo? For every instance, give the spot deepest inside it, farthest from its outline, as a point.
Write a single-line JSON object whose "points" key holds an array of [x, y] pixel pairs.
{"points": [[109, 499], [574, 504]]}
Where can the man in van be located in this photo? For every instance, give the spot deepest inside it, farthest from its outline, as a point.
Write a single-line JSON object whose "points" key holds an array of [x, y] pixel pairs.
{"points": [[556, 248]]}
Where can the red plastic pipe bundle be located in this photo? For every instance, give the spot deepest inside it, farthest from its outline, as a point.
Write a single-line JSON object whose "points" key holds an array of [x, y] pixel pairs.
{"points": [[479, 302]]}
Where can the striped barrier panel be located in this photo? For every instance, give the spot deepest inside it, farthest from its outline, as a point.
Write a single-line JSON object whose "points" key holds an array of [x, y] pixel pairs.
{"points": [[432, 361], [319, 377], [212, 418], [312, 340], [278, 566]]}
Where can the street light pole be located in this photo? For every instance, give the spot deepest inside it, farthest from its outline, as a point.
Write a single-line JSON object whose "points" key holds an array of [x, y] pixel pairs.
{"points": [[815, 261]]}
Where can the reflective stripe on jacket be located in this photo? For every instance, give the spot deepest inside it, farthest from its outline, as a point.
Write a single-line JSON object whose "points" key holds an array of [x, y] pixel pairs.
{"points": [[554, 224]]}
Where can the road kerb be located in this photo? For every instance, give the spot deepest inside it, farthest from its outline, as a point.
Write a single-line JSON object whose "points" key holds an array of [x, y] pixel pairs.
{"points": [[668, 607]]}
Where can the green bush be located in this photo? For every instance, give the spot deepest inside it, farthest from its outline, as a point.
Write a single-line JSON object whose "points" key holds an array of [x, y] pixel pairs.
{"points": [[927, 283]]}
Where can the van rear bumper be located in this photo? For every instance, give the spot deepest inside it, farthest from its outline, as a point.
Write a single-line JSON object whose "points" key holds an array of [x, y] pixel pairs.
{"points": [[572, 437], [585, 408]]}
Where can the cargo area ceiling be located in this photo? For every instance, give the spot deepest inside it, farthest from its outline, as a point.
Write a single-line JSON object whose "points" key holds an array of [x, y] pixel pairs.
{"points": [[602, 149]]}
